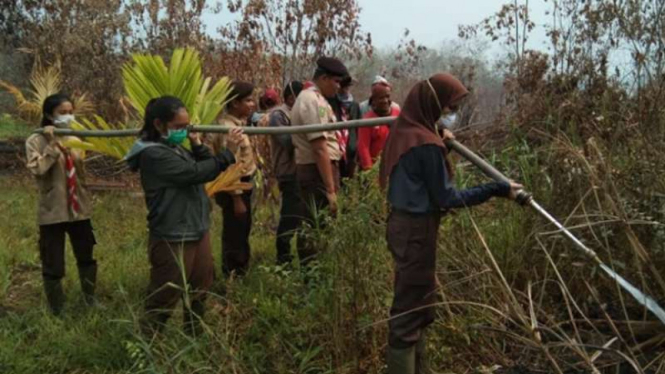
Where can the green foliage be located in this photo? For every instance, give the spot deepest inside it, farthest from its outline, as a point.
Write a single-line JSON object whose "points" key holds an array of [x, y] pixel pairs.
{"points": [[149, 77], [11, 127]]}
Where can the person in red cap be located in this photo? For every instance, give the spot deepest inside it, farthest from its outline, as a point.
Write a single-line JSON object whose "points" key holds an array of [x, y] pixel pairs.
{"points": [[317, 154], [372, 139], [267, 102]]}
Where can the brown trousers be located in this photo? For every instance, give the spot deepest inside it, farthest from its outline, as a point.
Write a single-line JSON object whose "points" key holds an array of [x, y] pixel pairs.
{"points": [[412, 241], [313, 202], [172, 266]]}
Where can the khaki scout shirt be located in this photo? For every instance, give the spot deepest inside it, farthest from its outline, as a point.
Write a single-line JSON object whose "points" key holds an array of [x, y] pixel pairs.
{"points": [[312, 108], [47, 163], [244, 153]]}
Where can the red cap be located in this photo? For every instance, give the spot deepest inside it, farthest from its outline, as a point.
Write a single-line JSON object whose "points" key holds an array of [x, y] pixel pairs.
{"points": [[271, 95]]}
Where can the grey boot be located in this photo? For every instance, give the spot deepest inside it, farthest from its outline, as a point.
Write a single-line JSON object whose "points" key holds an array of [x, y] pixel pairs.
{"points": [[54, 295], [88, 278], [401, 360]]}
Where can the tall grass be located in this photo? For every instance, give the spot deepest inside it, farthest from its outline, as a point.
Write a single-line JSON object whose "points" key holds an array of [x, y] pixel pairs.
{"points": [[513, 293]]}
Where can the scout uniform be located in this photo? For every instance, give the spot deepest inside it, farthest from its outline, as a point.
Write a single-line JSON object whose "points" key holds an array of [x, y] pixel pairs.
{"points": [[311, 107], [65, 207]]}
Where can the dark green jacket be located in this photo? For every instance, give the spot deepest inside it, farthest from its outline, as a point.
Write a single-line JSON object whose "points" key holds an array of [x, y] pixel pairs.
{"points": [[172, 179]]}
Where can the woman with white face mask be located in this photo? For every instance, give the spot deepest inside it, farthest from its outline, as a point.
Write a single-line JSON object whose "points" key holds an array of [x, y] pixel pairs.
{"points": [[65, 206], [420, 180]]}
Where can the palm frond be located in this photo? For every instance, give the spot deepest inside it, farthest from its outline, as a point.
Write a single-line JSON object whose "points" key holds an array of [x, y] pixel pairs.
{"points": [[229, 180], [148, 77], [44, 82], [113, 147]]}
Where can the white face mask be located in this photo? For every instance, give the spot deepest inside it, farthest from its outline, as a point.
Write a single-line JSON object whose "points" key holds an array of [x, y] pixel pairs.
{"points": [[448, 121], [63, 121]]}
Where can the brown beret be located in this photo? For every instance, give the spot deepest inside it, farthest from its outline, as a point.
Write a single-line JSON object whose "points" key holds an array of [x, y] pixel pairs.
{"points": [[332, 66], [241, 90]]}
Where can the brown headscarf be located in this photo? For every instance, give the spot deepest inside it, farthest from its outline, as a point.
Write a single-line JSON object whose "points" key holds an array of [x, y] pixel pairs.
{"points": [[415, 125]]}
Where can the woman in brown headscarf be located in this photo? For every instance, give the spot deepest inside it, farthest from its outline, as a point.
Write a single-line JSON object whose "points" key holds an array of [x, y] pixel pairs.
{"points": [[416, 169]]}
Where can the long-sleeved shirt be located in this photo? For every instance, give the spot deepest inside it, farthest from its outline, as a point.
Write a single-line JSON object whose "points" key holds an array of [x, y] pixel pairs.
{"points": [[283, 157], [371, 140], [46, 162], [420, 183]]}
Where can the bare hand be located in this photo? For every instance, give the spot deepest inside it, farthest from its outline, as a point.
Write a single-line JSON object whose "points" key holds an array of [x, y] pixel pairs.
{"points": [[194, 138], [332, 203], [447, 135], [515, 188], [48, 133], [235, 136]]}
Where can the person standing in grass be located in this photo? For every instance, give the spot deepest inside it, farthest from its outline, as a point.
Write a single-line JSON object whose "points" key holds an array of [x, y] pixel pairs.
{"points": [[236, 205], [284, 167], [65, 206], [317, 154], [378, 81], [419, 176], [371, 140], [172, 178], [346, 109]]}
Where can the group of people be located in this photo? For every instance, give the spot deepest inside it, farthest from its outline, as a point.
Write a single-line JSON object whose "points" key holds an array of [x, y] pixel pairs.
{"points": [[309, 166]]}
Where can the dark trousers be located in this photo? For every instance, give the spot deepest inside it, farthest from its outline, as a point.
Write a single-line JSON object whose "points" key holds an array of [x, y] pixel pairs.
{"points": [[235, 233], [52, 255], [412, 241], [314, 201], [172, 265], [289, 219], [52, 247]]}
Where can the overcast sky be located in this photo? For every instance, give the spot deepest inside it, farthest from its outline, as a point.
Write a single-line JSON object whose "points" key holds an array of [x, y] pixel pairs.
{"points": [[430, 21]]}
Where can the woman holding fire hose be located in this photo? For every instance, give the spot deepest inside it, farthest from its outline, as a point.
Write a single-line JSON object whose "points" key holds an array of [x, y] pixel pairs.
{"points": [[416, 169]]}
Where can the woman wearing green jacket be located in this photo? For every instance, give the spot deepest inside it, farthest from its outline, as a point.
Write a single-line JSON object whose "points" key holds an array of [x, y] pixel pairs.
{"points": [[172, 178]]}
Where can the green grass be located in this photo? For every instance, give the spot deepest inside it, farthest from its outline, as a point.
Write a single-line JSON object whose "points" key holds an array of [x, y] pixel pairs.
{"points": [[268, 321], [11, 127], [271, 322]]}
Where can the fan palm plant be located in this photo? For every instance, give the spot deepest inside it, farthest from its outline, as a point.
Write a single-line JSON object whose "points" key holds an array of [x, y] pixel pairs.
{"points": [[44, 81], [148, 77]]}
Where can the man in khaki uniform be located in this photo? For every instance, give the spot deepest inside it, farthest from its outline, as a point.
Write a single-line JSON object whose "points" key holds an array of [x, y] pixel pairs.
{"points": [[236, 205], [317, 154]]}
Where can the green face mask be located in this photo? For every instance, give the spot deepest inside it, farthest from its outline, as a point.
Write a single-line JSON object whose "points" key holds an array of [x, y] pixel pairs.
{"points": [[176, 137]]}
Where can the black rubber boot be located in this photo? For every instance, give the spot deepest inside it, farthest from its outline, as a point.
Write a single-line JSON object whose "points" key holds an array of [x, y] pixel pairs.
{"points": [[54, 295], [401, 360], [88, 278]]}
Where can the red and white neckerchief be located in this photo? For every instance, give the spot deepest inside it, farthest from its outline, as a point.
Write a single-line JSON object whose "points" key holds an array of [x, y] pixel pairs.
{"points": [[343, 135], [70, 174]]}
